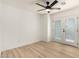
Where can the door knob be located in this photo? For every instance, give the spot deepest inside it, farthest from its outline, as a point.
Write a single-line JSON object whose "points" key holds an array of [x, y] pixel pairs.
{"points": [[63, 30], [77, 30]]}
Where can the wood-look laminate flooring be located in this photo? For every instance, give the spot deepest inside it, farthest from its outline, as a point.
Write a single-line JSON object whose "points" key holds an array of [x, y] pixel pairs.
{"points": [[42, 50]]}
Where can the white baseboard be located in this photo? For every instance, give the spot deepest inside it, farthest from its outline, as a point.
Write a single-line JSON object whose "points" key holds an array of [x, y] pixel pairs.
{"points": [[20, 45]]}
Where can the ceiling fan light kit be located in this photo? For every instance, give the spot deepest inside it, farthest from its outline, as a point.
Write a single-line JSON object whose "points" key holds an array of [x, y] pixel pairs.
{"points": [[48, 6], [47, 10]]}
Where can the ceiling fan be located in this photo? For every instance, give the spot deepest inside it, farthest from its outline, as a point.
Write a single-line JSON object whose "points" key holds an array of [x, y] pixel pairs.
{"points": [[49, 6]]}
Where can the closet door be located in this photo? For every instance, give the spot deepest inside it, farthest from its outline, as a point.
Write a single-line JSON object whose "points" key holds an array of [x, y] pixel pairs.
{"points": [[70, 31]]}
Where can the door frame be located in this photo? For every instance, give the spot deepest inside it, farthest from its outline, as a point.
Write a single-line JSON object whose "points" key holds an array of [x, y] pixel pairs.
{"points": [[63, 19]]}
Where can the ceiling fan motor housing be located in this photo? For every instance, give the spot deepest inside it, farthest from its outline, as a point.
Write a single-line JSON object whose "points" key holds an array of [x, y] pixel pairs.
{"points": [[48, 7]]}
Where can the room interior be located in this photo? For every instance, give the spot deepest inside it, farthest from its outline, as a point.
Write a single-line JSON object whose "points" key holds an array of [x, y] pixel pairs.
{"points": [[26, 32]]}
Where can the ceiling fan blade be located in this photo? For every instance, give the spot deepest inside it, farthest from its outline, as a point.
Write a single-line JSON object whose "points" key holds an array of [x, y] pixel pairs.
{"points": [[56, 8], [41, 5], [54, 3], [41, 10]]}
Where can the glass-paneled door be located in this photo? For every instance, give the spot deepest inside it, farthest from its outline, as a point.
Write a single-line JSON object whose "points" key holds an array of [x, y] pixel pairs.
{"points": [[65, 30], [58, 30], [70, 31]]}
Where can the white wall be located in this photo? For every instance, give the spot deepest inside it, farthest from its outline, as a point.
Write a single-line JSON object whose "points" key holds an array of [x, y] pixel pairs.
{"points": [[70, 12], [0, 25], [18, 26], [46, 27]]}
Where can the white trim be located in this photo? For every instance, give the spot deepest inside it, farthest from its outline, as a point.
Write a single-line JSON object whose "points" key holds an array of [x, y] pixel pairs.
{"points": [[24, 44]]}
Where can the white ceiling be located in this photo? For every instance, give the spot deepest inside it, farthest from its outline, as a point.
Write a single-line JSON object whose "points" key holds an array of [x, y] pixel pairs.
{"points": [[69, 4], [31, 6]]}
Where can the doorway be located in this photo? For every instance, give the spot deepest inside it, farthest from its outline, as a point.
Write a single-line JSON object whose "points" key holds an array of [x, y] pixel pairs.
{"points": [[65, 30]]}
